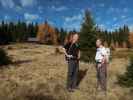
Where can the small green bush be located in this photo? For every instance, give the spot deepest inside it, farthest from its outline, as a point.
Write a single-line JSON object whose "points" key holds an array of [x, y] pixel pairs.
{"points": [[4, 59], [127, 78]]}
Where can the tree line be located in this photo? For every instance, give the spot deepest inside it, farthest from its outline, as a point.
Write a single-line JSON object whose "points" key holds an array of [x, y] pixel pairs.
{"points": [[116, 39], [16, 31], [11, 32], [21, 31]]}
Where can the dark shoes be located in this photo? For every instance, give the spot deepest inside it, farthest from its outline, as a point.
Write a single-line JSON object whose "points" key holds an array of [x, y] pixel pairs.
{"points": [[77, 88], [70, 90], [73, 89]]}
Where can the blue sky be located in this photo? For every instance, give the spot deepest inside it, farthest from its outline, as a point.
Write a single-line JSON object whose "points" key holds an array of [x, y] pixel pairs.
{"points": [[108, 14]]}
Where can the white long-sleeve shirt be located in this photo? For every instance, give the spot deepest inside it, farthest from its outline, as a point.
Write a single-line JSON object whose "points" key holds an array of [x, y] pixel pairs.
{"points": [[100, 54]]}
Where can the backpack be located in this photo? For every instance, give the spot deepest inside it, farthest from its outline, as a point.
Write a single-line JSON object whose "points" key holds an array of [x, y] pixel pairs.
{"points": [[108, 55]]}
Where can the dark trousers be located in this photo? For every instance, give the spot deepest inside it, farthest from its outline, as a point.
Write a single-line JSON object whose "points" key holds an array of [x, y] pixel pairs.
{"points": [[102, 76], [73, 68]]}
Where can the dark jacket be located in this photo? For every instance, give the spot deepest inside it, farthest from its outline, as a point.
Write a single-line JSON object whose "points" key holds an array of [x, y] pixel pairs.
{"points": [[72, 49]]}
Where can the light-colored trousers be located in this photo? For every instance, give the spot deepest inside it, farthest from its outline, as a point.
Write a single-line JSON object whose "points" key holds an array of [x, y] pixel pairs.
{"points": [[101, 75]]}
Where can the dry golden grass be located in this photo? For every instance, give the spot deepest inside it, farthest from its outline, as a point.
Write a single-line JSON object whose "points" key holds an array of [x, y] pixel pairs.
{"points": [[40, 74]]}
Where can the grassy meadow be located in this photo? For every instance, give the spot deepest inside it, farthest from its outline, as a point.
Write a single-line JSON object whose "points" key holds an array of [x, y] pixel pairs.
{"points": [[38, 73]]}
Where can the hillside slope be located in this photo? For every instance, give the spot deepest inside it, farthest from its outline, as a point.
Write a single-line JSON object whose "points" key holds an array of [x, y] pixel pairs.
{"points": [[40, 74]]}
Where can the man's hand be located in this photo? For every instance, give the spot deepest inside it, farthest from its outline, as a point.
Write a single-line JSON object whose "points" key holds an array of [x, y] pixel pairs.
{"points": [[103, 60], [69, 56], [63, 49]]}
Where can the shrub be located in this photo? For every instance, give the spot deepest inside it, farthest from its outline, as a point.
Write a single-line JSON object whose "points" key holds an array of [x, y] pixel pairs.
{"points": [[127, 78], [4, 59]]}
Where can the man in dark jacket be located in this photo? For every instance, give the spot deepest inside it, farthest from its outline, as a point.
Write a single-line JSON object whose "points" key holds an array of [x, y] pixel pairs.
{"points": [[72, 55]]}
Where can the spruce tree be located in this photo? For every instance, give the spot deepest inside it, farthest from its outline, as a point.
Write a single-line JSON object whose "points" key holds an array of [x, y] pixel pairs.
{"points": [[88, 38], [127, 78]]}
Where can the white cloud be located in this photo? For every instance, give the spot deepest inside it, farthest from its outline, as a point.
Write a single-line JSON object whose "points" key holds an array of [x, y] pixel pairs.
{"points": [[131, 28], [118, 10], [102, 26], [61, 8], [114, 9], [51, 23], [74, 18], [74, 25], [125, 9], [82, 11], [101, 5], [127, 19], [26, 3], [30, 17], [116, 25], [40, 8], [123, 16], [98, 19], [7, 3], [115, 18], [108, 23], [18, 8], [6, 17], [111, 9], [73, 22]]}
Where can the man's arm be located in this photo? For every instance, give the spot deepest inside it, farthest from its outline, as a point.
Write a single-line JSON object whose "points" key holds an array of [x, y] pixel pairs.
{"points": [[64, 51]]}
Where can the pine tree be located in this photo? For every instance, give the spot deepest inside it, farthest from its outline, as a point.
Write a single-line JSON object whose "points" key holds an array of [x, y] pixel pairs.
{"points": [[130, 38], [127, 78], [126, 35], [62, 35], [88, 38]]}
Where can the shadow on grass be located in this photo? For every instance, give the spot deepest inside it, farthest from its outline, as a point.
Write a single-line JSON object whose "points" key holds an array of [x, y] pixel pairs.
{"points": [[41, 97], [81, 75], [21, 62]]}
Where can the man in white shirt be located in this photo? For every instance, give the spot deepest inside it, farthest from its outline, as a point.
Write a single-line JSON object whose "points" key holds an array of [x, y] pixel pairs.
{"points": [[101, 67]]}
